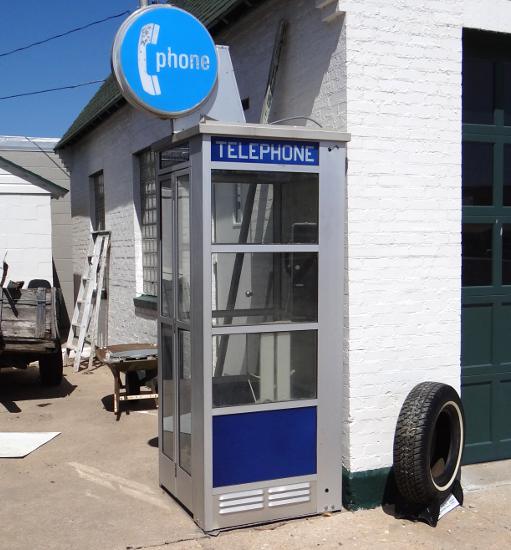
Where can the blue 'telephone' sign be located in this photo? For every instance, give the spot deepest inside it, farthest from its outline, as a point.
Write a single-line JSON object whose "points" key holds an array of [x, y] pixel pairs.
{"points": [[263, 151], [164, 60]]}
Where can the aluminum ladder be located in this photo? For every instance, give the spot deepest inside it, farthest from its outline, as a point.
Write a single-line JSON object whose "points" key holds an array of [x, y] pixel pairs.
{"points": [[84, 324]]}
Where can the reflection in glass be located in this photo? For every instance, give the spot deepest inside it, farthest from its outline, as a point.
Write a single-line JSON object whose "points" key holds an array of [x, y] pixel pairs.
{"points": [[477, 173], [185, 402], [507, 175], [175, 155], [264, 207], [254, 288], [478, 91], [166, 248], [168, 397], [183, 237], [477, 254], [264, 368]]}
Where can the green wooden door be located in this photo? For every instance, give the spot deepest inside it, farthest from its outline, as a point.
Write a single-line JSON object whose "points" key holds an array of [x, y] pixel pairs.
{"points": [[486, 237]]}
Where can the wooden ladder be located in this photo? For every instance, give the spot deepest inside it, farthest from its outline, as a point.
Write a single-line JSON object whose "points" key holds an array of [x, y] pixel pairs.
{"points": [[84, 324]]}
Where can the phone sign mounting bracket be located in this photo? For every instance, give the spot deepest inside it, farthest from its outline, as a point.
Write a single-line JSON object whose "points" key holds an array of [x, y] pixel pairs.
{"points": [[164, 61]]}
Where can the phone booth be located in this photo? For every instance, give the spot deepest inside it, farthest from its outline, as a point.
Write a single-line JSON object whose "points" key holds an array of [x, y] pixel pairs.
{"points": [[251, 245]]}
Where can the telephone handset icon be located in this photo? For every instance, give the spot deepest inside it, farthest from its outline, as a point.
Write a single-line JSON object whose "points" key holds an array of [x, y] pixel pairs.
{"points": [[148, 35]]}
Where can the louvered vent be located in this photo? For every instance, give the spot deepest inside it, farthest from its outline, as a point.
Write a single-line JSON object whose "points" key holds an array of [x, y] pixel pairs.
{"points": [[242, 501], [289, 494]]}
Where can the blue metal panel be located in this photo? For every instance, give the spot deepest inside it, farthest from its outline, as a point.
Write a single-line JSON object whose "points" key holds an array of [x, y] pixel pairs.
{"points": [[264, 151], [264, 445]]}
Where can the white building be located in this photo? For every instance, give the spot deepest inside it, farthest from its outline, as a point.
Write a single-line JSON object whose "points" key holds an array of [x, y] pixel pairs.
{"points": [[410, 81], [35, 215]]}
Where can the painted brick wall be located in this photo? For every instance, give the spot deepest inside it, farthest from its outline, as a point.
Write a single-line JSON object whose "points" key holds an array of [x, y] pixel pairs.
{"points": [[404, 215], [110, 148], [311, 78], [476, 15]]}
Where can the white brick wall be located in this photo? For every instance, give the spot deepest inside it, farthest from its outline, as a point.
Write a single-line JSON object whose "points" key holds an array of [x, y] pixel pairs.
{"points": [[476, 15], [110, 148], [404, 215]]}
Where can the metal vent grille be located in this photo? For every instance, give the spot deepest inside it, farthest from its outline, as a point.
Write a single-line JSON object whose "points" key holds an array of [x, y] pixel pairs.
{"points": [[289, 494], [257, 499], [242, 501]]}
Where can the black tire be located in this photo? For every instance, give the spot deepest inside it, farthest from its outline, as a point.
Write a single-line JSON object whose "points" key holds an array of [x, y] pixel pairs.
{"points": [[51, 369], [428, 443]]}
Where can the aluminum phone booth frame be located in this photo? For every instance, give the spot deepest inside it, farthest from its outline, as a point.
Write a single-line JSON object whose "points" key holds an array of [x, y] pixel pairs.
{"points": [[250, 331]]}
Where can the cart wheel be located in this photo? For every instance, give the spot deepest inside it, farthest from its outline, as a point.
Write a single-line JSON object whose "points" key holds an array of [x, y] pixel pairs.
{"points": [[50, 369]]}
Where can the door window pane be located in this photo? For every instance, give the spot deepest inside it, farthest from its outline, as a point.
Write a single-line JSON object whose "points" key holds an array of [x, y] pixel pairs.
{"points": [[255, 288], [477, 173], [478, 91], [185, 402], [183, 237], [507, 93], [264, 207], [167, 215], [506, 254], [264, 368], [507, 175], [168, 391], [477, 254]]}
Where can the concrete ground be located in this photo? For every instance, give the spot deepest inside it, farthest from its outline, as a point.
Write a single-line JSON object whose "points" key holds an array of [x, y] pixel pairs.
{"points": [[96, 487]]}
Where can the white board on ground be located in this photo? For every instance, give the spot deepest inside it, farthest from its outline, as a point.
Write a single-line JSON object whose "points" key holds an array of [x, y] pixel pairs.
{"points": [[21, 444]]}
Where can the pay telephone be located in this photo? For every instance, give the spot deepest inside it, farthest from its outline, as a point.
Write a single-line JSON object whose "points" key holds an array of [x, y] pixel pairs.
{"points": [[148, 35]]}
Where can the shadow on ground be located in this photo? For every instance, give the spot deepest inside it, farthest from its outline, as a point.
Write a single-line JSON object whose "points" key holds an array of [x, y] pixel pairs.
{"points": [[24, 385], [128, 406]]}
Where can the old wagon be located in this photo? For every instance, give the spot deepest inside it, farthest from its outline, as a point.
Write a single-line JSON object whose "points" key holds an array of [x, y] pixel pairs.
{"points": [[29, 331]]}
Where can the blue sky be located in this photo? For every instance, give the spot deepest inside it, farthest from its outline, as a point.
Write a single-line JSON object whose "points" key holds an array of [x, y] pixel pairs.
{"points": [[80, 57]]}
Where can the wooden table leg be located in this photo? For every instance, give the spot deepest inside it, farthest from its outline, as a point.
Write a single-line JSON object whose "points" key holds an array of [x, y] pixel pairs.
{"points": [[117, 387]]}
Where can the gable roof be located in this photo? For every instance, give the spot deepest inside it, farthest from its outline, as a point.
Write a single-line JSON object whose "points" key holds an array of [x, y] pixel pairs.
{"points": [[33, 160], [214, 14]]}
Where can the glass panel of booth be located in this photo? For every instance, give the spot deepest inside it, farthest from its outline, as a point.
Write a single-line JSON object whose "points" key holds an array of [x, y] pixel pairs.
{"points": [[275, 215], [183, 245], [168, 390], [166, 224], [265, 287], [185, 401], [258, 207], [254, 368]]}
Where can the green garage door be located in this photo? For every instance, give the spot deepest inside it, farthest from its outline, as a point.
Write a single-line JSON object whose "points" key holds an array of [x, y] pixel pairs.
{"points": [[486, 269]]}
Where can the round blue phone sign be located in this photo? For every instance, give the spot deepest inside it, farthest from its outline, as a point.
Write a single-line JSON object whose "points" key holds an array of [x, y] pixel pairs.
{"points": [[164, 60]]}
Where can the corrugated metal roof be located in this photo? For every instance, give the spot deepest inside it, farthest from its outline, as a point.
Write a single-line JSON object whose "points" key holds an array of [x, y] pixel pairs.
{"points": [[108, 98]]}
